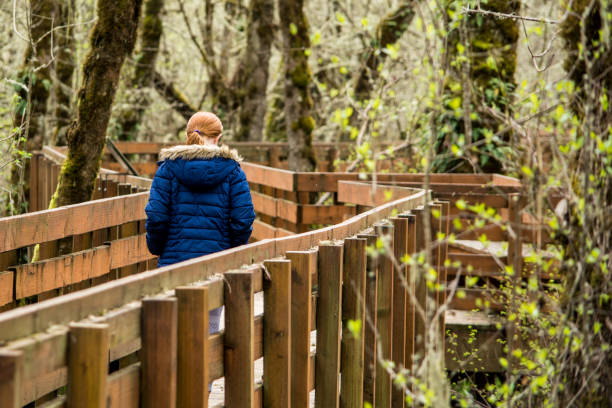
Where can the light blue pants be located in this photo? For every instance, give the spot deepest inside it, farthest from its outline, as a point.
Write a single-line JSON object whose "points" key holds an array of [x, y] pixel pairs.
{"points": [[214, 318]]}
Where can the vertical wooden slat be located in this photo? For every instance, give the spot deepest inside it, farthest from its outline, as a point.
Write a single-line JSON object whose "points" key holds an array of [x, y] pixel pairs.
{"points": [[420, 325], [238, 339], [88, 345], [34, 181], [277, 334], [158, 354], [445, 229], [398, 349], [327, 365], [56, 169], [435, 293], [11, 370], [384, 323], [192, 376], [353, 313], [127, 230], [369, 374], [303, 265], [410, 316], [515, 259]]}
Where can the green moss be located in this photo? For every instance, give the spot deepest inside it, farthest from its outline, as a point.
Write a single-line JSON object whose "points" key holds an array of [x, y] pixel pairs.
{"points": [[305, 124], [301, 76]]}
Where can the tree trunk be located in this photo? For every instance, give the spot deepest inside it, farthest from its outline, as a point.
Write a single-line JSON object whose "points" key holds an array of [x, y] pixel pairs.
{"points": [[587, 239], [252, 75], [482, 55], [298, 78], [138, 97], [388, 32], [35, 80], [112, 40], [64, 70]]}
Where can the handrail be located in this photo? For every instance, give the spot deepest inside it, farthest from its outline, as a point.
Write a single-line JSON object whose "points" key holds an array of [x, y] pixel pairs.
{"points": [[38, 317]]}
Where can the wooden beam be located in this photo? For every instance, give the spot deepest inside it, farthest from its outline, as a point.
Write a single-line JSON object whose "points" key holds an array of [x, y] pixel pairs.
{"points": [[238, 340], [192, 377], [329, 325], [277, 334], [384, 315], [303, 267], [124, 388], [159, 352], [353, 322], [268, 176], [44, 226], [87, 365], [11, 371], [6, 287], [35, 278]]}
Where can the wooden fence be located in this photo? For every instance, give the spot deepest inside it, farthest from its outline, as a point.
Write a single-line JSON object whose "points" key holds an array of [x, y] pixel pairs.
{"points": [[151, 328], [330, 156], [118, 323], [79, 245]]}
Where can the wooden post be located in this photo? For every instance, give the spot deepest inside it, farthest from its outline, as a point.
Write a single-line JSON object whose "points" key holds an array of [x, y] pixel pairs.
{"points": [[11, 371], [327, 366], [34, 182], [409, 321], [384, 322], [353, 323], [192, 376], [277, 335], [420, 325], [515, 259], [435, 293], [369, 374], [88, 345], [398, 349], [303, 265], [238, 340], [159, 343], [127, 230], [443, 268]]}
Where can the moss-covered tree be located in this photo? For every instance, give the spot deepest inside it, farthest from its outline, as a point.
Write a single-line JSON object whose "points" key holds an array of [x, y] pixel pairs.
{"points": [[388, 31], [251, 77], [298, 79], [139, 84], [34, 82], [112, 40], [64, 70], [481, 55], [586, 377]]}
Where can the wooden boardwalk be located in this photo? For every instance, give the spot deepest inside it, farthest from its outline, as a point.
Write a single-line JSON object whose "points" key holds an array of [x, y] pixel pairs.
{"points": [[307, 275]]}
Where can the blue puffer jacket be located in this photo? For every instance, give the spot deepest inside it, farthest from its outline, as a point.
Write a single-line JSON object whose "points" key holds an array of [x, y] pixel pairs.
{"points": [[200, 203]]}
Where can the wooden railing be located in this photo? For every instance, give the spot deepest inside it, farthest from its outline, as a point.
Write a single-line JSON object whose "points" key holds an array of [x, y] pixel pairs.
{"points": [[330, 156], [151, 329], [131, 329], [77, 246]]}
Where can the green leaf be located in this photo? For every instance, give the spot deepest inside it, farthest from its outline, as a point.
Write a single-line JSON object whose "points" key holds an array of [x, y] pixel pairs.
{"points": [[354, 327], [455, 103], [293, 29]]}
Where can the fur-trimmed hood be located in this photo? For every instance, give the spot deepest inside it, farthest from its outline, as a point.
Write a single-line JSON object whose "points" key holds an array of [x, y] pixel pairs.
{"points": [[192, 152], [200, 166]]}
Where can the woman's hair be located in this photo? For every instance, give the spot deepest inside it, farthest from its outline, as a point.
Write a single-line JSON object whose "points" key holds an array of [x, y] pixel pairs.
{"points": [[203, 127]]}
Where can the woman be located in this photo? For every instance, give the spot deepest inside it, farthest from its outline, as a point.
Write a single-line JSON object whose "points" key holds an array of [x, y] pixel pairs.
{"points": [[200, 200]]}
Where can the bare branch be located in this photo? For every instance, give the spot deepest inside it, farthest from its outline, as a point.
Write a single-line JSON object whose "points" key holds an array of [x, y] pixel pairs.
{"points": [[478, 10]]}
